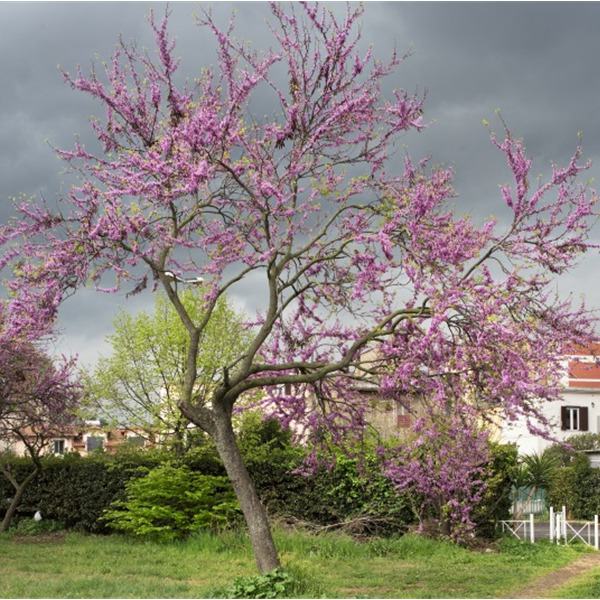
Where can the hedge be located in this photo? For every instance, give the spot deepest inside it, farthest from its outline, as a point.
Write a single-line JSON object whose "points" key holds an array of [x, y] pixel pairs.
{"points": [[77, 490]]}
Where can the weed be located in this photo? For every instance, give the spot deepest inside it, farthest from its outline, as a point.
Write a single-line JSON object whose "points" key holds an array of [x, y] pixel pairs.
{"points": [[274, 584], [33, 527]]}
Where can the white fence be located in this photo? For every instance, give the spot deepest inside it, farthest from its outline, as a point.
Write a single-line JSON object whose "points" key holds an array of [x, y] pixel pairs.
{"points": [[558, 529]]}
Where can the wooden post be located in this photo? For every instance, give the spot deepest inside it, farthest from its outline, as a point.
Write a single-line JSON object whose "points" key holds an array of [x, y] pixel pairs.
{"points": [[564, 523], [596, 532], [552, 523]]}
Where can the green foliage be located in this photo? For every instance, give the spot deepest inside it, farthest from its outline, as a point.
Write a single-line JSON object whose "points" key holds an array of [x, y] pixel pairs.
{"points": [[562, 491], [259, 438], [172, 502], [274, 584], [575, 444], [576, 486], [539, 469], [351, 494], [141, 382], [32, 527], [76, 490], [534, 476], [291, 582], [587, 484], [495, 503]]}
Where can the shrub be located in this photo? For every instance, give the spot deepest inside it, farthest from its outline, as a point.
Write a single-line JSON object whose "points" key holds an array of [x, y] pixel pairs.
{"points": [[587, 485], [172, 502], [562, 491], [495, 503], [351, 495], [577, 487], [274, 584]]}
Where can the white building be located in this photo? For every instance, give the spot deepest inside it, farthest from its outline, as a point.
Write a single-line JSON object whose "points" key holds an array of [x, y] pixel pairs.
{"points": [[577, 412]]}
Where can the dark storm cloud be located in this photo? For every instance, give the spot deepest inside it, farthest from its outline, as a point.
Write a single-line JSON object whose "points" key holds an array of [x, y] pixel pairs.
{"points": [[537, 62]]}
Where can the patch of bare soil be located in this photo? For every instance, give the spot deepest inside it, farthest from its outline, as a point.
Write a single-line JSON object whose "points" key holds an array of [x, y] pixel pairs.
{"points": [[543, 587]]}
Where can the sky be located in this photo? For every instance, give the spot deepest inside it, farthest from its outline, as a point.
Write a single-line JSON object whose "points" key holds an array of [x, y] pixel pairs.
{"points": [[538, 63]]}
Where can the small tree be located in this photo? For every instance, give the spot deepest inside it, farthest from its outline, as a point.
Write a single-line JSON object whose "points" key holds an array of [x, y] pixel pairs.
{"points": [[347, 247], [442, 469], [38, 400], [141, 384], [537, 471]]}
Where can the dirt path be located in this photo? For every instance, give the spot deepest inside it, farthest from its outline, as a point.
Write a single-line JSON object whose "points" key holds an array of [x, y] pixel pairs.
{"points": [[543, 587]]}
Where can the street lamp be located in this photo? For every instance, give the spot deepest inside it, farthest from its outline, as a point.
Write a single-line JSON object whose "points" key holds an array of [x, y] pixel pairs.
{"points": [[193, 280]]}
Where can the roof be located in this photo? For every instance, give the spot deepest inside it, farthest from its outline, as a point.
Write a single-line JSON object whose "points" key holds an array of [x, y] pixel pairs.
{"points": [[583, 364]]}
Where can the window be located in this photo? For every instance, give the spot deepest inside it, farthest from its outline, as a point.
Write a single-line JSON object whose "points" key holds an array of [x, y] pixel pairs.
{"points": [[58, 446], [136, 441], [93, 443], [574, 418], [403, 414]]}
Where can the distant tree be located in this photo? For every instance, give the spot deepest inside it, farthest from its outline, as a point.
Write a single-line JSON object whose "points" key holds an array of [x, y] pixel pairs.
{"points": [[347, 247], [141, 383], [38, 400], [565, 452]]}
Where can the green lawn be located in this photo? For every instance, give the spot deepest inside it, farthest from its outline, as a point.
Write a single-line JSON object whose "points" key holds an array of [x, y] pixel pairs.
{"points": [[586, 586], [330, 566]]}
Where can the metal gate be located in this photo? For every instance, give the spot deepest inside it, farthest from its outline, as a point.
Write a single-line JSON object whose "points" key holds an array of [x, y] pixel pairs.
{"points": [[557, 529]]}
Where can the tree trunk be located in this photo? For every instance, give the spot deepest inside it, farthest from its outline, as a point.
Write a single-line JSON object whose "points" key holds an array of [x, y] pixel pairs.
{"points": [[19, 490], [259, 529]]}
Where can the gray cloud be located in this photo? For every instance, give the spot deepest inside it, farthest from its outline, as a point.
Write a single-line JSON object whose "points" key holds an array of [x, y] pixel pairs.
{"points": [[536, 61]]}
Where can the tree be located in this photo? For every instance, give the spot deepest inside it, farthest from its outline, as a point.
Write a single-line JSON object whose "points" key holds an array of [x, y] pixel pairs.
{"points": [[443, 470], [140, 384], [564, 453], [38, 400], [536, 473], [350, 248]]}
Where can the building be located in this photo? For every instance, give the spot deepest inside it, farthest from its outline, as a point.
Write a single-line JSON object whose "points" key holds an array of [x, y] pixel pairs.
{"points": [[87, 437], [577, 412]]}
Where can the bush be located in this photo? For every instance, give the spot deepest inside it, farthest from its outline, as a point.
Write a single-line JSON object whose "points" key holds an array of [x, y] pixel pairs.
{"points": [[76, 490], [273, 584], [352, 495], [587, 484], [172, 502], [577, 487], [562, 490], [496, 503]]}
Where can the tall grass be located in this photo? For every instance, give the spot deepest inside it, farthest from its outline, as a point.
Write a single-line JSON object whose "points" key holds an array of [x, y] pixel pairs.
{"points": [[205, 566]]}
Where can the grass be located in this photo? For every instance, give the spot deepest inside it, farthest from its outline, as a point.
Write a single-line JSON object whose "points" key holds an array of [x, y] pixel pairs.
{"points": [[54, 565], [585, 586]]}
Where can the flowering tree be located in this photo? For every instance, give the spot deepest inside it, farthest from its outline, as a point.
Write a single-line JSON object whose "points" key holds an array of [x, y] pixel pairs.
{"points": [[443, 468], [350, 248], [38, 400]]}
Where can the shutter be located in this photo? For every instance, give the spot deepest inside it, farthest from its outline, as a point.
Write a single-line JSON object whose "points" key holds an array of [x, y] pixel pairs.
{"points": [[583, 418], [564, 418]]}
